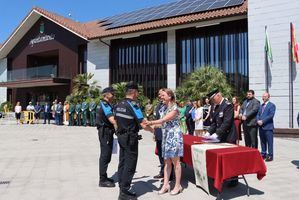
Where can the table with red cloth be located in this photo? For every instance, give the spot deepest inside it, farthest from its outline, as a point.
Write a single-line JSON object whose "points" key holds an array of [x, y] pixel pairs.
{"points": [[226, 163]]}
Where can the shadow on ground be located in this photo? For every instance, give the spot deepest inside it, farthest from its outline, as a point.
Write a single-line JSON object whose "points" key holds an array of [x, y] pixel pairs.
{"points": [[296, 163]]}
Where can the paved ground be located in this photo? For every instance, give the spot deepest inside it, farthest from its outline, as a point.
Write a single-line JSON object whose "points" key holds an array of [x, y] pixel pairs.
{"points": [[39, 162]]}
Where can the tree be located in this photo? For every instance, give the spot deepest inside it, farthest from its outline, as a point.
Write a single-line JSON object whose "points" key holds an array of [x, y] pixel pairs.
{"points": [[84, 89], [200, 82]]}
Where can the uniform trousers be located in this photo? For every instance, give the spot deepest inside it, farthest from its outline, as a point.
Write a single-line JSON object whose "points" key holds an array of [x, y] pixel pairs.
{"points": [[161, 159], [250, 135], [128, 155], [266, 137], [190, 125], [106, 145]]}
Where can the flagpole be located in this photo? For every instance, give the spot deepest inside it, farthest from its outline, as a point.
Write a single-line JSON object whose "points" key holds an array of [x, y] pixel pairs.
{"points": [[291, 88], [266, 68]]}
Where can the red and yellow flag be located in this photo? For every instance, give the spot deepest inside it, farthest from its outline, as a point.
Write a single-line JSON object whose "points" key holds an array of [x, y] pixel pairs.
{"points": [[295, 46]]}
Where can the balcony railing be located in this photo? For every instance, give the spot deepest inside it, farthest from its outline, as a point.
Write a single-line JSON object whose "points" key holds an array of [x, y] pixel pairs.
{"points": [[41, 72]]}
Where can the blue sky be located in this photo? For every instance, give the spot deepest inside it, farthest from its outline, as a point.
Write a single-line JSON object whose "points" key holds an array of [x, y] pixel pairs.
{"points": [[14, 11]]}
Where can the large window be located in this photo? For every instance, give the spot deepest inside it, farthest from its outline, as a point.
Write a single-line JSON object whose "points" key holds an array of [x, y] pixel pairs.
{"points": [[143, 60], [224, 46]]}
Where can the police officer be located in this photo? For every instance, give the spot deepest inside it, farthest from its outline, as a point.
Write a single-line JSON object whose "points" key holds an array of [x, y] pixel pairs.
{"points": [[71, 114], [106, 128], [84, 110], [78, 114], [222, 125], [129, 119], [92, 113]]}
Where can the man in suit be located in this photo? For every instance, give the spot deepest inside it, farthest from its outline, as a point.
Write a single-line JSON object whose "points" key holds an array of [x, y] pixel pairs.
{"points": [[265, 122], [189, 120], [47, 113], [248, 112]]}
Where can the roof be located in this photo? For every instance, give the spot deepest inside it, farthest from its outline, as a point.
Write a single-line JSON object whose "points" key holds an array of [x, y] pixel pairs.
{"points": [[98, 29]]}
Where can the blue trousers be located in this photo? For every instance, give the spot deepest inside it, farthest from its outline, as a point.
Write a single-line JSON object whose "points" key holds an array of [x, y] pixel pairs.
{"points": [[266, 137]]}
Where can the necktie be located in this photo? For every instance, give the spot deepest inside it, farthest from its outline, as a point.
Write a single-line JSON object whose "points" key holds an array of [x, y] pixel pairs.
{"points": [[263, 107]]}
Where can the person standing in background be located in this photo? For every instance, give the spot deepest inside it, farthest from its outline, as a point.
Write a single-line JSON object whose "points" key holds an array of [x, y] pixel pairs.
{"points": [[206, 114], [78, 114], [71, 114], [248, 112], [199, 119], [66, 115], [182, 110], [59, 112], [84, 109], [18, 110], [37, 110], [265, 122], [92, 113], [47, 113], [237, 120]]}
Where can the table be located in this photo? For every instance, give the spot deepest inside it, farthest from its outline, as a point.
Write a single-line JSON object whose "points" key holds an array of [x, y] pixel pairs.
{"points": [[223, 164]]}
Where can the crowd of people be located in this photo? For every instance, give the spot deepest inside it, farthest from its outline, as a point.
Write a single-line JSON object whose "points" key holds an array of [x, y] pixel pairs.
{"points": [[81, 114], [169, 120]]}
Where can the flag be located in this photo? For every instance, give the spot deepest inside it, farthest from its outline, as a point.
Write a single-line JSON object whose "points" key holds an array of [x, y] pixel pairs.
{"points": [[268, 48], [295, 46]]}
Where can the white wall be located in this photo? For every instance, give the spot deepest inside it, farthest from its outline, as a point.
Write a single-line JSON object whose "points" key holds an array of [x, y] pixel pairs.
{"points": [[171, 58], [98, 62], [277, 15], [3, 78]]}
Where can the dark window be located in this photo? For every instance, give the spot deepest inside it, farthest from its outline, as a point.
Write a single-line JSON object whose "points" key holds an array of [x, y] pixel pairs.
{"points": [[82, 59], [224, 46], [143, 60]]}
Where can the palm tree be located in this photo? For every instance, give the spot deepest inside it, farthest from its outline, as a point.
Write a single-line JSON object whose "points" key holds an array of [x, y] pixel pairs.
{"points": [[84, 89], [200, 82]]}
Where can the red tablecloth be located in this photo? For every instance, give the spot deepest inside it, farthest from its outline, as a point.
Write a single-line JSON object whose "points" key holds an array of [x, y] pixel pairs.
{"points": [[225, 163]]}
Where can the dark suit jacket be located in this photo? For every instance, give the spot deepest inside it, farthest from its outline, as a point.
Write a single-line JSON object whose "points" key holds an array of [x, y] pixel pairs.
{"points": [[267, 116], [47, 109], [158, 131], [223, 122], [251, 111]]}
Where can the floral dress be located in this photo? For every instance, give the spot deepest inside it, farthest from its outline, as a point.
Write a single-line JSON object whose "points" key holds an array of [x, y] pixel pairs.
{"points": [[172, 138]]}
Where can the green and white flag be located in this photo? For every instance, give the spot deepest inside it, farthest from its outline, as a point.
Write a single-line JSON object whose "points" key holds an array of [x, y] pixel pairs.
{"points": [[268, 48]]}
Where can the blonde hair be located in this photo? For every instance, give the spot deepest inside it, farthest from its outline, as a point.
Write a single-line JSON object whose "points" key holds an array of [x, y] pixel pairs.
{"points": [[170, 93]]}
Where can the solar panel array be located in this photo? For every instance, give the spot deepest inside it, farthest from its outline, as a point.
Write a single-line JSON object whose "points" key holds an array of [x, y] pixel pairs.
{"points": [[168, 10]]}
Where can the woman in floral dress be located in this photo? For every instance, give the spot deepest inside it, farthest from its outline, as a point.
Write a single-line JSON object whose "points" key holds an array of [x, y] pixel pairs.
{"points": [[172, 141]]}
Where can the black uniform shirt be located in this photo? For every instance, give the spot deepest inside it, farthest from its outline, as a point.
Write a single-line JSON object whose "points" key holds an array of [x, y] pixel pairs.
{"points": [[128, 116], [222, 120], [103, 113]]}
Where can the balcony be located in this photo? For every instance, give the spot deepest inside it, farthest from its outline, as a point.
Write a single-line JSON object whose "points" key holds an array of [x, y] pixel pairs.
{"points": [[41, 72], [34, 77]]}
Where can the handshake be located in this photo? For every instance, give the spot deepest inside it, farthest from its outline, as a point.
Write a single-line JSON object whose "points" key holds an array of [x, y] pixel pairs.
{"points": [[213, 137]]}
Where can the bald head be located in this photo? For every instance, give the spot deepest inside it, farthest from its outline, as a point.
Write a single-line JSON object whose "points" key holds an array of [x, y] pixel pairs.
{"points": [[266, 97]]}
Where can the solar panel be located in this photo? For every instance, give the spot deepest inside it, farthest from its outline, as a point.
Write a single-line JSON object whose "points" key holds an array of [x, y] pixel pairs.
{"points": [[168, 10]]}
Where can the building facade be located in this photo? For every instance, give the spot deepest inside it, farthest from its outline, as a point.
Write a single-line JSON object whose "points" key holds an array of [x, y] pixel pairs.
{"points": [[156, 51]]}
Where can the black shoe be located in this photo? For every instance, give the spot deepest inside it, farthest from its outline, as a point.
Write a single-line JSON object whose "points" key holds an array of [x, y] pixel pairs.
{"points": [[264, 157], [110, 179], [127, 195], [106, 184], [159, 176], [269, 159]]}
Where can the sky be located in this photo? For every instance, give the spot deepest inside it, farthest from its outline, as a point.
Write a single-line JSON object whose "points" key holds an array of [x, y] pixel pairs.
{"points": [[14, 11]]}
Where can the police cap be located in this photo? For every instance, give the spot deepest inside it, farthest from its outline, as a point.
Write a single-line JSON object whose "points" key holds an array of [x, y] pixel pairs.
{"points": [[131, 85], [108, 90], [212, 93]]}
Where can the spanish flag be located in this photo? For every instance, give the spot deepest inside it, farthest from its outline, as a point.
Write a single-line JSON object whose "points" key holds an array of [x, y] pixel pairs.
{"points": [[295, 46]]}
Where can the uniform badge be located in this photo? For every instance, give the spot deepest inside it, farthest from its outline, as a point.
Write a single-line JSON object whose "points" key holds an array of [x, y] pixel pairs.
{"points": [[220, 114]]}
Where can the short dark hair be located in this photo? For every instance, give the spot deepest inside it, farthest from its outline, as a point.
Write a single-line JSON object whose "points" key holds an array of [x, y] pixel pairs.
{"points": [[250, 91]]}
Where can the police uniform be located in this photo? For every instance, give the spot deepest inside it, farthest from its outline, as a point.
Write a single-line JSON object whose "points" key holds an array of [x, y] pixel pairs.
{"points": [[128, 116], [223, 125], [105, 133]]}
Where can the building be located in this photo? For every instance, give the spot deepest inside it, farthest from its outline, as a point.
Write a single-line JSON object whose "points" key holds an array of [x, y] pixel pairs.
{"points": [[155, 47]]}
